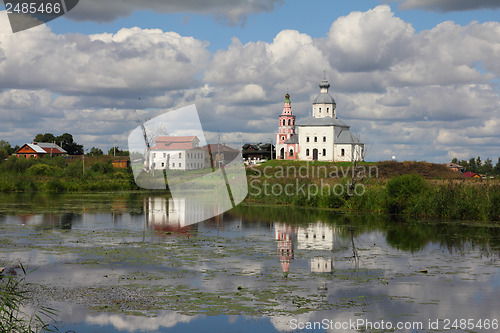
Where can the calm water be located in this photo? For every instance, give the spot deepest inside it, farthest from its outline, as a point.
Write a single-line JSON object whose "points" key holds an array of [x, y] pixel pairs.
{"points": [[126, 263]]}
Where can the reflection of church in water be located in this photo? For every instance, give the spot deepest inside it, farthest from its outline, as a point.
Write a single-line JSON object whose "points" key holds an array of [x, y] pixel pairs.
{"points": [[316, 236]]}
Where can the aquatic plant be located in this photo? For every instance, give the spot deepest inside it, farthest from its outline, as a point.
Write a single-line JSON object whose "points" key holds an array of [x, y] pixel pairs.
{"points": [[13, 298]]}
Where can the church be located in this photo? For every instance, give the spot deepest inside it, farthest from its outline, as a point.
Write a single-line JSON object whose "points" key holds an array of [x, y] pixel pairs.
{"points": [[321, 137]]}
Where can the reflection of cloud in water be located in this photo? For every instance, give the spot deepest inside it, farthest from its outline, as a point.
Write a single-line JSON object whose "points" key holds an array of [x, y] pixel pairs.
{"points": [[132, 324]]}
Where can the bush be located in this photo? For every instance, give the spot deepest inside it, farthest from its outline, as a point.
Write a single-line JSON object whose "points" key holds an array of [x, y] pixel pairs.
{"points": [[103, 167], [494, 211], [43, 170], [402, 192]]}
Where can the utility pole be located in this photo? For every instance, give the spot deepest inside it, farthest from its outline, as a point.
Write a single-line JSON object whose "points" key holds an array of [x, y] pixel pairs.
{"points": [[83, 158]]}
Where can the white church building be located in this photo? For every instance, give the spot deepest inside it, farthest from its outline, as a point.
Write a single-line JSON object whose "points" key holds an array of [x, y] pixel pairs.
{"points": [[321, 137]]}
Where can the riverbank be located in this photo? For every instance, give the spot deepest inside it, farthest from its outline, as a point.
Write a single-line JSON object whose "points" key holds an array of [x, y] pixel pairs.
{"points": [[60, 175], [412, 189]]}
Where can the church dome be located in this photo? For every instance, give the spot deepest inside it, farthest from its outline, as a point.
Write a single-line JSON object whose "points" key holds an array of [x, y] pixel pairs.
{"points": [[324, 97]]}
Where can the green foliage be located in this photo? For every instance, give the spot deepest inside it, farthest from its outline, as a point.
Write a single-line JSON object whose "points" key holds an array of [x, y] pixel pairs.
{"points": [[64, 140], [103, 167], [402, 191], [43, 170], [12, 299], [494, 208], [95, 152], [118, 152]]}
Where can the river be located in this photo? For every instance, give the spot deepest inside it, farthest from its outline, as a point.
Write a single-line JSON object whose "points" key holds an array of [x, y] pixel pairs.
{"points": [[124, 262]]}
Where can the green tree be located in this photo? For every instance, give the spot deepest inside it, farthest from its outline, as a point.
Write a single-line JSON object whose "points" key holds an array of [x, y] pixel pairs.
{"points": [[65, 141], [71, 147], [487, 167], [471, 166], [496, 170], [47, 137], [118, 152], [95, 152], [454, 160]]}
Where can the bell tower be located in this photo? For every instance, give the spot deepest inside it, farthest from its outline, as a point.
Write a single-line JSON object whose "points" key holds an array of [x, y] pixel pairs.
{"points": [[286, 122]]}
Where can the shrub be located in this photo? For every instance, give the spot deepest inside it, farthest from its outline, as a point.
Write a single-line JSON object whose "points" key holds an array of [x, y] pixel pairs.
{"points": [[402, 191], [43, 170]]}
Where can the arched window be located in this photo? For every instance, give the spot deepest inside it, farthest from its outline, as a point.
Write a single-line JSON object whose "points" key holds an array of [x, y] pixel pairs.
{"points": [[315, 139], [291, 152], [327, 110], [307, 139], [289, 122], [307, 152], [324, 139], [319, 110], [283, 122], [324, 152], [342, 152]]}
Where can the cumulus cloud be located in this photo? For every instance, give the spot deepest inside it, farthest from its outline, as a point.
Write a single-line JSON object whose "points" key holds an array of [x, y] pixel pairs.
{"points": [[231, 11], [405, 93], [449, 5], [131, 61]]}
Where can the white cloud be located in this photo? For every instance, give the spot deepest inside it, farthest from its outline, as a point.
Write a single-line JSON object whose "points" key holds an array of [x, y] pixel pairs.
{"points": [[403, 92]]}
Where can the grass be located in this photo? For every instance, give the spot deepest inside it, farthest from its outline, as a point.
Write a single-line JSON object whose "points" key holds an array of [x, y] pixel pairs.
{"points": [[12, 300], [411, 189]]}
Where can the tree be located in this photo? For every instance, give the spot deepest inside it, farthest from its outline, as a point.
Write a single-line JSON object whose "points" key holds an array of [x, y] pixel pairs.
{"points": [[47, 137], [65, 141], [118, 152], [95, 152], [496, 170], [487, 167], [472, 165], [455, 160]]}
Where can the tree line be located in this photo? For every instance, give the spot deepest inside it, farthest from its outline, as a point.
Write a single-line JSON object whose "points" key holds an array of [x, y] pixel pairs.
{"points": [[65, 141], [476, 165]]}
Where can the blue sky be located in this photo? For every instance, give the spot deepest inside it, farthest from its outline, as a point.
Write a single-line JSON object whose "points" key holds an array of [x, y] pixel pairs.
{"points": [[311, 17], [418, 79]]}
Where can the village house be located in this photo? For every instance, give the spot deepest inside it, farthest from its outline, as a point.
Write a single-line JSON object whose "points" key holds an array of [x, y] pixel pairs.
{"points": [[39, 149]]}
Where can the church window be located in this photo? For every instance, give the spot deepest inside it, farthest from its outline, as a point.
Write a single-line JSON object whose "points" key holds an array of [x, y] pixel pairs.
{"points": [[307, 139], [327, 110], [283, 122], [342, 152], [291, 152], [324, 139], [319, 110], [289, 122], [307, 152], [180, 155], [324, 152], [315, 139]]}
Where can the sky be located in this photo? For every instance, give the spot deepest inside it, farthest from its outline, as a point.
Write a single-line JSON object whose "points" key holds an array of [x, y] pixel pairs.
{"points": [[415, 79]]}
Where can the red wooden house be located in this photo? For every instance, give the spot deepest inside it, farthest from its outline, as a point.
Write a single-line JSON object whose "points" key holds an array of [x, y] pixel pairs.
{"points": [[39, 149]]}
